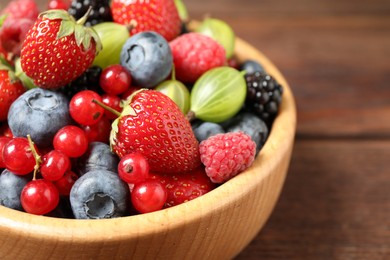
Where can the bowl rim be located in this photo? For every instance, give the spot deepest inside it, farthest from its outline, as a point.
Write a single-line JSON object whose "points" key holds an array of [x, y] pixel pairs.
{"points": [[78, 230]]}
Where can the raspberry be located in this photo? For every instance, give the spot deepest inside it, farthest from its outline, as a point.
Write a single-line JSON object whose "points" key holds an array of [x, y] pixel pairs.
{"points": [[27, 9], [193, 54], [226, 155]]}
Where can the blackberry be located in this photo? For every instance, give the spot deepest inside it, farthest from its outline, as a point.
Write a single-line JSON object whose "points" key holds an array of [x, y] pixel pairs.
{"points": [[264, 95], [88, 80], [100, 12]]}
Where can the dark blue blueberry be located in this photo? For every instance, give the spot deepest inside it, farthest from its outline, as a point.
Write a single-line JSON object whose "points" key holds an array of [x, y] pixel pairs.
{"points": [[11, 186], [99, 194], [204, 130], [250, 124], [39, 113], [98, 156], [250, 66], [148, 58]]}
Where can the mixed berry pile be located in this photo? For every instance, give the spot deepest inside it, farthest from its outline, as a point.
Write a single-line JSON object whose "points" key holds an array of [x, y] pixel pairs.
{"points": [[115, 108]]}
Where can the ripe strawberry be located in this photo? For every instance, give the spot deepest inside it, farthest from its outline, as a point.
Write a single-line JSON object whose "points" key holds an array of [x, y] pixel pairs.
{"points": [[194, 54], [160, 16], [10, 90], [185, 186], [153, 125], [27, 9], [57, 49]]}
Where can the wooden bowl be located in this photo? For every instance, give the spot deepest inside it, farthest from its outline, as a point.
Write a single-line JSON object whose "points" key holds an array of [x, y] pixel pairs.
{"points": [[217, 225]]}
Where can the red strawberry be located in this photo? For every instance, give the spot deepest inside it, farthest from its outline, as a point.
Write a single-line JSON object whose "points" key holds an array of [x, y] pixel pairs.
{"points": [[160, 16], [10, 90], [194, 54], [153, 125], [57, 49], [185, 186]]}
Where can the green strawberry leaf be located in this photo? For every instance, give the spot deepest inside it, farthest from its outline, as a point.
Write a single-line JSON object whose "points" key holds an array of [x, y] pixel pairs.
{"points": [[114, 131], [2, 19], [96, 38], [57, 14], [4, 64], [79, 34], [66, 28], [86, 41]]}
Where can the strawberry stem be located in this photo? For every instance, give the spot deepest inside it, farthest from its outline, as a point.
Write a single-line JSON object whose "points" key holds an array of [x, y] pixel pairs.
{"points": [[37, 157], [110, 109], [83, 19]]}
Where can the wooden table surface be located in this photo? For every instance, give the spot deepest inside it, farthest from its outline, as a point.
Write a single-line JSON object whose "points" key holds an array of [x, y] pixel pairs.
{"points": [[336, 56]]}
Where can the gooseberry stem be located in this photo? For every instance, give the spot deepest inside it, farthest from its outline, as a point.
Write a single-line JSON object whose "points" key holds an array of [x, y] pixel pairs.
{"points": [[37, 157], [190, 116]]}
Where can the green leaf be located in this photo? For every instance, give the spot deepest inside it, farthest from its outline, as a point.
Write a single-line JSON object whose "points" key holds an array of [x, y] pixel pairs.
{"points": [[113, 133], [2, 19], [79, 34], [5, 67], [66, 28], [57, 14], [4, 64], [96, 38], [87, 41]]}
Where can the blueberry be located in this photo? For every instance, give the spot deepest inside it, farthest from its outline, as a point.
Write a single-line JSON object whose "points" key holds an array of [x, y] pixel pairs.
{"points": [[99, 194], [250, 124], [204, 130], [148, 58], [250, 66], [98, 156], [40, 113], [11, 186]]}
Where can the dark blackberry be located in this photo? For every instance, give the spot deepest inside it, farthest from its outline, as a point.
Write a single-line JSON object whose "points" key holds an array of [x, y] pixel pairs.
{"points": [[100, 12], [88, 80], [264, 95]]}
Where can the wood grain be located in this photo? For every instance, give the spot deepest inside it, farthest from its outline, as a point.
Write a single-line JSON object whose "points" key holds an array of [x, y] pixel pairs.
{"points": [[335, 204], [335, 55]]}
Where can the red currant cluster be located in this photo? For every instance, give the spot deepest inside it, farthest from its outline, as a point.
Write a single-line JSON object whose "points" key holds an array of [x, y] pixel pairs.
{"points": [[53, 172]]}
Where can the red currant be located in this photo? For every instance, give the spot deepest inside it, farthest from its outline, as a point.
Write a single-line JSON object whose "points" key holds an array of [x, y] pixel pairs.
{"points": [[99, 132], [65, 184], [3, 141], [148, 196], [115, 79], [133, 168], [71, 140], [54, 165], [83, 110], [39, 197], [129, 92], [113, 102], [18, 157], [5, 131]]}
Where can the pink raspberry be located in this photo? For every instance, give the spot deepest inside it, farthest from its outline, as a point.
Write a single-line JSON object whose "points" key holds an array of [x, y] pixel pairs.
{"points": [[226, 155], [194, 54], [27, 9]]}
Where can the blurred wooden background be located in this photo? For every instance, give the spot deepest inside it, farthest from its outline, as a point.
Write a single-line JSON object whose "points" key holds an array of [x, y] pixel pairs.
{"points": [[336, 56]]}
